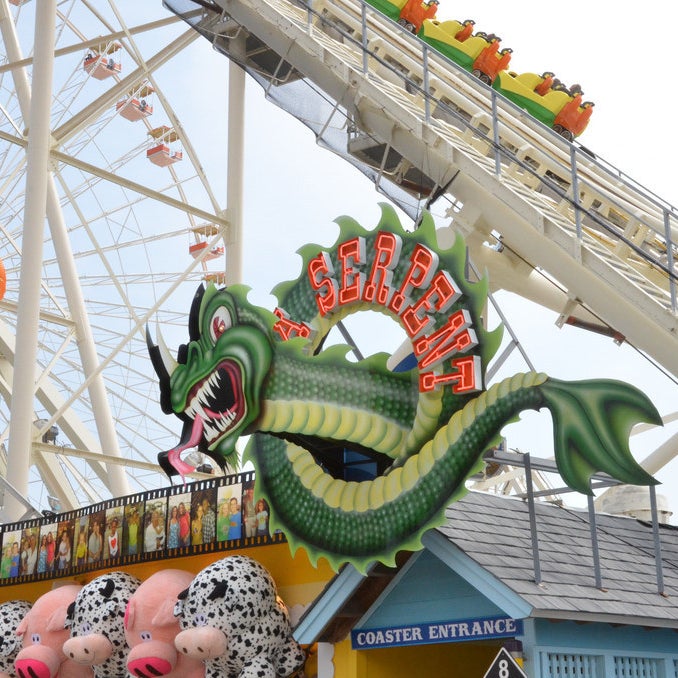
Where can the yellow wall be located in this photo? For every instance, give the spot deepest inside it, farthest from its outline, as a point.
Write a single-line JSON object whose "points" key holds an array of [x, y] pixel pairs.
{"points": [[299, 583], [445, 659]]}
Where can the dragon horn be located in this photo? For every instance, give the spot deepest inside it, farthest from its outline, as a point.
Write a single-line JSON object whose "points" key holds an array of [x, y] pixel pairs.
{"points": [[194, 314], [164, 365], [168, 360]]}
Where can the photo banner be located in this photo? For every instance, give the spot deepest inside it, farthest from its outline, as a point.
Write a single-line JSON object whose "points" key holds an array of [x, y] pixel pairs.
{"points": [[217, 514]]}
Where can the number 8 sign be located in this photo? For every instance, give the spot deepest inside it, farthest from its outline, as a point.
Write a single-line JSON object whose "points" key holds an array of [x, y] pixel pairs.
{"points": [[504, 666]]}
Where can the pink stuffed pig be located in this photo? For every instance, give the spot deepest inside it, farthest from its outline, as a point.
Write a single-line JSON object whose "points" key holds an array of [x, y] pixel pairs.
{"points": [[44, 634], [150, 628]]}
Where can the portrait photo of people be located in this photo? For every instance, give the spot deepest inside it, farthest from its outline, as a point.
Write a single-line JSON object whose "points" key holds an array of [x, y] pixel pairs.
{"points": [[154, 525], [203, 517], [131, 528], [113, 533], [64, 544], [95, 540], [47, 548], [80, 546], [249, 514], [263, 515], [229, 513], [11, 554], [179, 520], [28, 557]]}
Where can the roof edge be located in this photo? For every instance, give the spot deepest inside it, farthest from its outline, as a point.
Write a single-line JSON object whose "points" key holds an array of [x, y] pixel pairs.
{"points": [[602, 618], [477, 576], [337, 591]]}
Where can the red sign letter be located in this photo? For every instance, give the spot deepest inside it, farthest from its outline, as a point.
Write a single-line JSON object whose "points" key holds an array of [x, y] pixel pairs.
{"points": [[467, 379], [439, 297], [351, 253], [320, 270], [287, 328], [387, 248], [447, 340], [423, 263]]}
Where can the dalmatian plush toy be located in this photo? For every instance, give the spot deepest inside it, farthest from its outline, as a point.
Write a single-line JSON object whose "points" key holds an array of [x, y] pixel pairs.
{"points": [[96, 620], [232, 618], [11, 613]]}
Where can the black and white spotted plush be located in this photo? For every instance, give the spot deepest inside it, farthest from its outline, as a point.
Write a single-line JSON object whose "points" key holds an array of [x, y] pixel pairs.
{"points": [[96, 619], [233, 619], [11, 613]]}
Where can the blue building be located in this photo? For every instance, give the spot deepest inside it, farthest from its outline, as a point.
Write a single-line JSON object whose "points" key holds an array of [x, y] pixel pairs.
{"points": [[567, 592]]}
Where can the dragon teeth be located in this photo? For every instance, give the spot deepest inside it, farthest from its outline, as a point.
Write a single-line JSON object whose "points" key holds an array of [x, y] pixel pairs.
{"points": [[199, 401], [215, 427], [190, 410], [197, 408], [207, 390]]}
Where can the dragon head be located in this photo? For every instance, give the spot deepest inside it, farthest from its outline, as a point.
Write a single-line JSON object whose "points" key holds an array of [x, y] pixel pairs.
{"points": [[214, 383]]}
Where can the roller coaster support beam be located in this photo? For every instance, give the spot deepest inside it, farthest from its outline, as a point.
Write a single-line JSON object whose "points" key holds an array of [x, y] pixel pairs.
{"points": [[236, 159]]}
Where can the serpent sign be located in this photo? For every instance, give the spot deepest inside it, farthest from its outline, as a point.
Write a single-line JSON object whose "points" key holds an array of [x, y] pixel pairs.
{"points": [[250, 371]]}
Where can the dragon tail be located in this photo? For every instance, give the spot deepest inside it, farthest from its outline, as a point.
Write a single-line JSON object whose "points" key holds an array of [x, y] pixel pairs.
{"points": [[592, 422], [356, 520]]}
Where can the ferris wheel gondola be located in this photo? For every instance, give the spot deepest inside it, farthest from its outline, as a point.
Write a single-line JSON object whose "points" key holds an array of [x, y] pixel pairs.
{"points": [[204, 246], [164, 149], [137, 104], [102, 62]]}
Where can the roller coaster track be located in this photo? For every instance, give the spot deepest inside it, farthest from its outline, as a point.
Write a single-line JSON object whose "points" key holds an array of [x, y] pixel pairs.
{"points": [[563, 227]]}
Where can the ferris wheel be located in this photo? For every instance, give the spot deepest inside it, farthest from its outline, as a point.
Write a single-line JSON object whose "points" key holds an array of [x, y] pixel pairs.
{"points": [[133, 227]]}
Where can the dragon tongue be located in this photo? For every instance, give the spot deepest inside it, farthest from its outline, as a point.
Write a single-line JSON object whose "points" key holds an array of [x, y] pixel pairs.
{"points": [[174, 455]]}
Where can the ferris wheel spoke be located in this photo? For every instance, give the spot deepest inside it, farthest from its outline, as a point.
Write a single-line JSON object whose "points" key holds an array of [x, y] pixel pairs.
{"points": [[155, 195], [54, 477], [50, 399]]}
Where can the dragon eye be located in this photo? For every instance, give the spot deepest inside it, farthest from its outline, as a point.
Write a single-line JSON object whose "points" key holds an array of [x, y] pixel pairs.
{"points": [[221, 321]]}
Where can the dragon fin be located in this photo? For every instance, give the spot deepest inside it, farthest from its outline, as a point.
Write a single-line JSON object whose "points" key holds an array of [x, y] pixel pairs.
{"points": [[592, 421]]}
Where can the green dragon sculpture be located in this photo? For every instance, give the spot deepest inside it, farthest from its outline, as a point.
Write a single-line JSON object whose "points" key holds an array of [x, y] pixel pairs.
{"points": [[248, 371]]}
